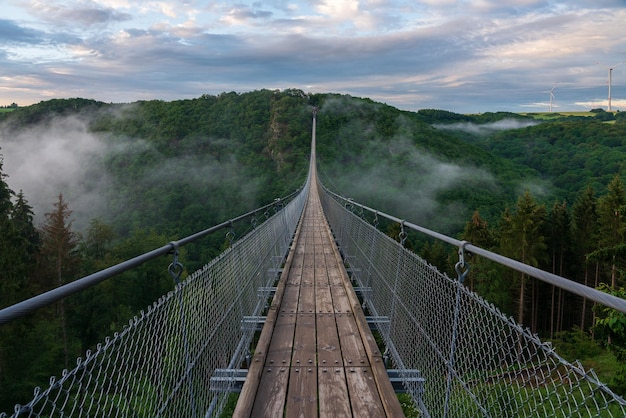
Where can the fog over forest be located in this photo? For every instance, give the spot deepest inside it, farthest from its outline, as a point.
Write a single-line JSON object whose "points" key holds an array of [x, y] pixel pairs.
{"points": [[58, 156], [61, 155], [154, 171], [488, 128]]}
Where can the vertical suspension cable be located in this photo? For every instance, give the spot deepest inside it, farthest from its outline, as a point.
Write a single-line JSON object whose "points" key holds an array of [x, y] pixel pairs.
{"points": [[176, 269]]}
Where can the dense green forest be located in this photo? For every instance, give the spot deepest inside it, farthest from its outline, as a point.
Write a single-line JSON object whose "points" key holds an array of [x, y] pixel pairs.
{"points": [[548, 193]]}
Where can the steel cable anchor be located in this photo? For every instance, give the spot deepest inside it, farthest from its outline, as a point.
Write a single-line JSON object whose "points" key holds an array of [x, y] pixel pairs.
{"points": [[175, 268], [230, 235], [402, 235], [462, 267]]}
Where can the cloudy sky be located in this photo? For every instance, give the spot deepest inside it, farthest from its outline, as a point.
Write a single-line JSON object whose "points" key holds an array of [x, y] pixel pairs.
{"points": [[459, 55]]}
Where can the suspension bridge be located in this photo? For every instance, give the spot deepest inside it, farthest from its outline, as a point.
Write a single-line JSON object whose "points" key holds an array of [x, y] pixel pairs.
{"points": [[315, 312]]}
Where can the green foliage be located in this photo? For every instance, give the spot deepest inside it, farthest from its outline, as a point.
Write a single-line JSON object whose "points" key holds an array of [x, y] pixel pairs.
{"points": [[520, 231], [179, 167], [396, 162], [610, 321], [231, 404], [443, 117], [435, 116], [571, 155], [226, 154], [408, 406], [437, 255], [576, 344], [609, 363], [46, 110]]}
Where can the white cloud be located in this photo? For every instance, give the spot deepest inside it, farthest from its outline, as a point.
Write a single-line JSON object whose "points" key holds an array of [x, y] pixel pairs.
{"points": [[466, 55], [616, 104], [339, 9]]}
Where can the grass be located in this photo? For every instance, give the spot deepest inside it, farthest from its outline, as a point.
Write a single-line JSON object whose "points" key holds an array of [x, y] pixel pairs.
{"points": [[605, 365], [576, 345], [554, 115]]}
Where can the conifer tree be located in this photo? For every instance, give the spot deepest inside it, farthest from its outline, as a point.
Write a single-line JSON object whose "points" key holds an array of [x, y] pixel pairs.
{"points": [[558, 232], [584, 238], [99, 238], [521, 239], [18, 246], [612, 226], [28, 238], [477, 233], [59, 257], [22, 217], [7, 233], [7, 285]]}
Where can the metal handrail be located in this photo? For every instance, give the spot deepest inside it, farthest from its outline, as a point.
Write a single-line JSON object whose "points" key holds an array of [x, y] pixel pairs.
{"points": [[579, 289], [27, 306]]}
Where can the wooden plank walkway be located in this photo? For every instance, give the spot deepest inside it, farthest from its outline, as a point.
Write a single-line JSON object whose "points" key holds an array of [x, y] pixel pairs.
{"points": [[316, 355]]}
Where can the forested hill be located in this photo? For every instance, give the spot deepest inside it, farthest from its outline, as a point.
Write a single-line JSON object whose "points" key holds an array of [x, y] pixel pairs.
{"points": [[182, 165], [177, 166], [106, 182], [570, 152]]}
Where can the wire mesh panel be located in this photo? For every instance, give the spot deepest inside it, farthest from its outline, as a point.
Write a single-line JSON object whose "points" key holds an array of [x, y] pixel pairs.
{"points": [[475, 360], [161, 363]]}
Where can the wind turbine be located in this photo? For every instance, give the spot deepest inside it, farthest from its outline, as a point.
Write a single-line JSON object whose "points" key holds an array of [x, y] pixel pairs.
{"points": [[551, 93], [611, 80]]}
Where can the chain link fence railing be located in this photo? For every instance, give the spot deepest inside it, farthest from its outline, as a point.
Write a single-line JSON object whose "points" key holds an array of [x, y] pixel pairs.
{"points": [[474, 360], [161, 363]]}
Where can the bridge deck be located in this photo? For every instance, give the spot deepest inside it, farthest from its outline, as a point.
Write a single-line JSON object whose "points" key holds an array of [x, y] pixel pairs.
{"points": [[316, 355]]}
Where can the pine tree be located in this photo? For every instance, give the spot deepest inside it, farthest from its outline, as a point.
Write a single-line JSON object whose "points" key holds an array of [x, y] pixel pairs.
{"points": [[18, 246], [28, 237], [522, 240], [584, 237], [22, 217], [8, 286], [5, 195], [436, 255], [477, 233], [558, 232], [7, 250], [60, 258], [99, 237], [612, 226]]}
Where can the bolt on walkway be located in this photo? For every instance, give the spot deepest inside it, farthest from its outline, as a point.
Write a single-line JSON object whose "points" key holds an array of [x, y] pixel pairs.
{"points": [[316, 355]]}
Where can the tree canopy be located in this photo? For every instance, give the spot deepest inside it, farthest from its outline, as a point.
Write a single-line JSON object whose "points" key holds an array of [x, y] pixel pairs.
{"points": [[546, 193]]}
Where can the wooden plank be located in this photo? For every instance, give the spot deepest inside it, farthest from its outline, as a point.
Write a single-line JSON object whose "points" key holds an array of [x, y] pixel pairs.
{"points": [[333, 393], [341, 302], [270, 399], [363, 393], [306, 303], [334, 271], [328, 348], [279, 351], [323, 299], [352, 349], [245, 403], [290, 300], [342, 382], [385, 389], [302, 393], [304, 342], [295, 275]]}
